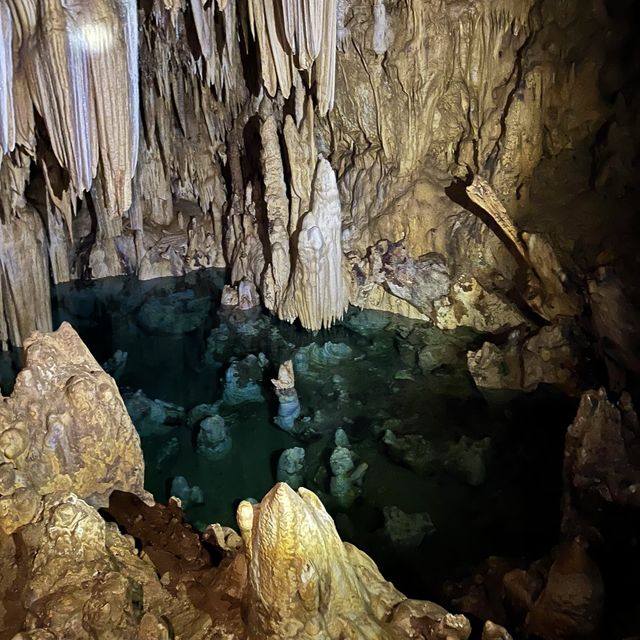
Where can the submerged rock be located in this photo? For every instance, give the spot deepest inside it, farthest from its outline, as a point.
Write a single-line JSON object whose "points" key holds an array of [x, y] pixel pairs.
{"points": [[153, 417], [346, 481], [213, 440], [291, 467], [406, 530], [411, 450], [202, 411], [242, 380], [189, 496], [169, 452], [329, 354], [340, 438], [469, 459], [116, 364], [288, 402], [175, 314]]}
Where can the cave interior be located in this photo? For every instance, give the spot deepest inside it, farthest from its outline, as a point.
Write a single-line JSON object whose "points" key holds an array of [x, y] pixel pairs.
{"points": [[319, 319]]}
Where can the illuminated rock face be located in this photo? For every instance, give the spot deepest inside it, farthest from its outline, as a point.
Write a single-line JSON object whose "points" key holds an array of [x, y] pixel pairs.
{"points": [[304, 582], [285, 140], [86, 580], [64, 428]]}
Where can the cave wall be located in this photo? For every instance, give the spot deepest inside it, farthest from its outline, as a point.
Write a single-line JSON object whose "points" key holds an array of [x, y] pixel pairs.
{"points": [[319, 153]]}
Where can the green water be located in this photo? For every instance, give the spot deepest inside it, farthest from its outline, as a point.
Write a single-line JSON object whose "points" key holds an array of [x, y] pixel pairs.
{"points": [[382, 372]]}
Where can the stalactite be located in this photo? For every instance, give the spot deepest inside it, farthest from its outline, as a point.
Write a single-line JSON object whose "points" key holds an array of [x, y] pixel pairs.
{"points": [[25, 298], [309, 28], [379, 27], [342, 33], [401, 123], [7, 114], [325, 68], [79, 51], [301, 151]]}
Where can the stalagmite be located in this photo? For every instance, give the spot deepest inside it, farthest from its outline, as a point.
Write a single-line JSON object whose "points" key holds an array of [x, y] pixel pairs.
{"points": [[319, 293], [288, 403], [304, 582], [275, 191]]}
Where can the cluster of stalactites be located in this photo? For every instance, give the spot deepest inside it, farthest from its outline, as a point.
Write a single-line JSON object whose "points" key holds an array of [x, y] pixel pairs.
{"points": [[218, 28], [77, 64], [297, 34]]}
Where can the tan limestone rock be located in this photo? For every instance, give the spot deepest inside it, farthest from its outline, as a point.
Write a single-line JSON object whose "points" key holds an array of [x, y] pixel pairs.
{"points": [[64, 428]]}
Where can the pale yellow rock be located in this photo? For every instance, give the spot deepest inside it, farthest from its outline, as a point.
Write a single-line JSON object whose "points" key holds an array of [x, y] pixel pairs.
{"points": [[64, 428], [86, 580], [304, 582]]}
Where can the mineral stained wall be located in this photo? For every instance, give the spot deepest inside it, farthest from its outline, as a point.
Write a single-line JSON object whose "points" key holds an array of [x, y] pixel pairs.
{"points": [[286, 141]]}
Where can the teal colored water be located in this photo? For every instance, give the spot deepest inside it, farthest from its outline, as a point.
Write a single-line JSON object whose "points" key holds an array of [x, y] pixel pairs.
{"points": [[381, 378]]}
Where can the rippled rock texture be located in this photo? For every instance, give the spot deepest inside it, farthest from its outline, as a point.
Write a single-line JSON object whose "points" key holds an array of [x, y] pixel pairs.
{"points": [[64, 428], [286, 142]]}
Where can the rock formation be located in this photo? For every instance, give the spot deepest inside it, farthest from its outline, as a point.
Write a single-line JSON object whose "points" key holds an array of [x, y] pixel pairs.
{"points": [[288, 403], [64, 429], [467, 163], [68, 572], [286, 142], [304, 582], [600, 452]]}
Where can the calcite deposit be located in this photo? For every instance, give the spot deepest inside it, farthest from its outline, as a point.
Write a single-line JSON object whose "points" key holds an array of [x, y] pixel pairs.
{"points": [[138, 570], [468, 163], [285, 142], [64, 429]]}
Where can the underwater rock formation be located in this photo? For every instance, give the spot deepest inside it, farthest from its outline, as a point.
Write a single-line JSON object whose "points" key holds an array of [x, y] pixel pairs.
{"points": [[64, 428], [116, 364], [469, 459], [242, 380], [406, 530], [152, 417], [177, 313], [288, 402], [346, 479], [213, 440], [412, 450], [291, 467], [188, 495]]}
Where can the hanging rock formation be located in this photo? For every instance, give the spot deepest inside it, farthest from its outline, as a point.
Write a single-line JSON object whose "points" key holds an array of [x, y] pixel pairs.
{"points": [[286, 140]]}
